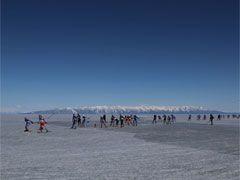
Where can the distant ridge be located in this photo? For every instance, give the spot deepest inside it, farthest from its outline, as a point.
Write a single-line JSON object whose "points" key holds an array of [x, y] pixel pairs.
{"points": [[128, 110]]}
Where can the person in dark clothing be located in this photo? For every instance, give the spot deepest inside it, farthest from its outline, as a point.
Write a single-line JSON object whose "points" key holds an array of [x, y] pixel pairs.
{"points": [[102, 122], [79, 120], [211, 119], [121, 120], [112, 121], [154, 119], [117, 121], [104, 118], [159, 118], [168, 119], [204, 117], [164, 119], [135, 120], [198, 117], [189, 117], [74, 120], [173, 118], [84, 121]]}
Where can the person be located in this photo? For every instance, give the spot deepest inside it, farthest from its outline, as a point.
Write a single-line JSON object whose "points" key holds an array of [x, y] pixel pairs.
{"points": [[121, 120], [154, 119], [164, 119], [79, 119], [159, 118], [104, 118], [189, 117], [169, 119], [102, 121], [74, 121], [84, 120], [117, 122], [112, 121], [130, 119], [198, 117], [211, 119], [204, 117], [127, 120], [173, 118], [28, 122], [42, 123], [135, 120]]}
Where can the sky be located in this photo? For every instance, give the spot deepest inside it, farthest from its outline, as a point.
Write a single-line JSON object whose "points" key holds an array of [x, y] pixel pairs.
{"points": [[57, 53]]}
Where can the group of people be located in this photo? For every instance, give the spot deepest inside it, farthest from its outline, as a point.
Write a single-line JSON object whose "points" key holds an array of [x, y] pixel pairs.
{"points": [[126, 120], [234, 116], [219, 116], [78, 120], [41, 122], [122, 121], [211, 117], [165, 119]]}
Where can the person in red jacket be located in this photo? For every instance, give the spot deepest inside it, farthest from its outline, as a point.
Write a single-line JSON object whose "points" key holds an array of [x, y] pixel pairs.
{"points": [[42, 123]]}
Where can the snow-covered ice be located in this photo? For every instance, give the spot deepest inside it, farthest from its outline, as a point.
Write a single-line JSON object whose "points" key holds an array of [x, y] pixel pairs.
{"points": [[184, 150]]}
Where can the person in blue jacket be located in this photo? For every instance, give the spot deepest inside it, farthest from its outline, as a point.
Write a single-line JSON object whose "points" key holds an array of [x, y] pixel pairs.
{"points": [[83, 121], [74, 121], [135, 120], [28, 122]]}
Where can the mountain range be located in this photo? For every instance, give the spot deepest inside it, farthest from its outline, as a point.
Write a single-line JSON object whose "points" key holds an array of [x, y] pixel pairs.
{"points": [[143, 109]]}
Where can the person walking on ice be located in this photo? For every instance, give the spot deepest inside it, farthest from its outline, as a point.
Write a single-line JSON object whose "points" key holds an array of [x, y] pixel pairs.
{"points": [[42, 123], [204, 117], [105, 118], [121, 118], [28, 122], [83, 121], [135, 120], [121, 121], [154, 119], [102, 122], [189, 117], [211, 119], [74, 121], [117, 122], [164, 119], [79, 120], [112, 121]]}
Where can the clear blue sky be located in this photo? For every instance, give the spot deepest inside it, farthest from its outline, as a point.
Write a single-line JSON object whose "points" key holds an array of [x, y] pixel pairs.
{"points": [[82, 53]]}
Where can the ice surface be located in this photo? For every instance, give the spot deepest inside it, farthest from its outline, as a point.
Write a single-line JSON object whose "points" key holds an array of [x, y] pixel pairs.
{"points": [[184, 150]]}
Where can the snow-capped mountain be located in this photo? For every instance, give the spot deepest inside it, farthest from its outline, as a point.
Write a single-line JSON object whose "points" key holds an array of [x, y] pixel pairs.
{"points": [[127, 110]]}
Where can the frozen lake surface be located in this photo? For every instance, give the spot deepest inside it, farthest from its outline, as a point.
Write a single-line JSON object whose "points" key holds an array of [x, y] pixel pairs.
{"points": [[183, 150]]}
